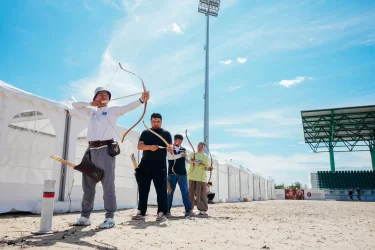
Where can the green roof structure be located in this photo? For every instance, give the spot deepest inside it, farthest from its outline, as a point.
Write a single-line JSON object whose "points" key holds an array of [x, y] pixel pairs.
{"points": [[340, 130]]}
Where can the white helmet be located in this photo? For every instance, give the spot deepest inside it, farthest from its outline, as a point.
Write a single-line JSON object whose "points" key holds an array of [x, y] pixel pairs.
{"points": [[99, 89]]}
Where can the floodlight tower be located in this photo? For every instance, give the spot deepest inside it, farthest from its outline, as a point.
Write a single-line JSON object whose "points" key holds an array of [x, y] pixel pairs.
{"points": [[209, 8]]}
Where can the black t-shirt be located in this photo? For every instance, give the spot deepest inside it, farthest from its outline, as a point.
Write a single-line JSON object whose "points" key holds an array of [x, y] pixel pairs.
{"points": [[149, 138]]}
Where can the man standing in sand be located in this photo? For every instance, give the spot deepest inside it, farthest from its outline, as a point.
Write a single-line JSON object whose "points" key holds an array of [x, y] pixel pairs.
{"points": [[180, 176], [198, 179], [153, 166], [100, 136]]}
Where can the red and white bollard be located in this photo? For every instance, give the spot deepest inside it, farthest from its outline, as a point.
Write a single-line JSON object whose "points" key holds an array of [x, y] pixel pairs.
{"points": [[47, 208]]}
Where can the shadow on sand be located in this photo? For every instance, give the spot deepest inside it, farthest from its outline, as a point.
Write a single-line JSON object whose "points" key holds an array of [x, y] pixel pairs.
{"points": [[72, 236]]}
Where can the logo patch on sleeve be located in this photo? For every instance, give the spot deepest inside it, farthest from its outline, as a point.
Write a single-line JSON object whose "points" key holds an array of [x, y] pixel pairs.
{"points": [[104, 113]]}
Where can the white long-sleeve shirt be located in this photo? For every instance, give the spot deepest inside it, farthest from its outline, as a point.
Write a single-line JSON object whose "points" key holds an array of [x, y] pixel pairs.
{"points": [[102, 121]]}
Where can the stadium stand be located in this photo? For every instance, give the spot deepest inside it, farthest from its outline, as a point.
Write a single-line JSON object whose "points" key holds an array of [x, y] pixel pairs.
{"points": [[365, 180], [346, 129]]}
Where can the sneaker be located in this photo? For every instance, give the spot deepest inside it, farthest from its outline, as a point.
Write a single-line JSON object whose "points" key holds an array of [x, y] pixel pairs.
{"points": [[187, 214], [168, 214], [202, 213], [107, 223], [161, 217], [139, 216], [82, 221]]}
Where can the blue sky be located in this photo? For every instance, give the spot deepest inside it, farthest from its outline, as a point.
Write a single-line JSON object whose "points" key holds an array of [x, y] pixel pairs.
{"points": [[268, 61]]}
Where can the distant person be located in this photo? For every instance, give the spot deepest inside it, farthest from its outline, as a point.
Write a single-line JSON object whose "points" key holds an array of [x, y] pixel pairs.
{"points": [[358, 193], [351, 193], [210, 195]]}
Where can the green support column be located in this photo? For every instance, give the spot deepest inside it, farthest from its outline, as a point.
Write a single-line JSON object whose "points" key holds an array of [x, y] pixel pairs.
{"points": [[332, 159], [372, 151], [331, 154]]}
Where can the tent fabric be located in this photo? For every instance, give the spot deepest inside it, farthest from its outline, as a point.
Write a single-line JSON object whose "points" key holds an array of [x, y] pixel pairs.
{"points": [[32, 128]]}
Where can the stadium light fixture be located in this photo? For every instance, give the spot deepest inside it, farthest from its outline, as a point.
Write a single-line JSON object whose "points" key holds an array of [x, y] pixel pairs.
{"points": [[208, 8]]}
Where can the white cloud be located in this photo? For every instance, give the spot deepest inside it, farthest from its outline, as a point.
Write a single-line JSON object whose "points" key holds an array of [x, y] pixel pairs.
{"points": [[285, 168], [301, 30], [228, 61], [241, 60], [137, 43], [277, 117], [121, 82], [255, 133], [225, 146], [86, 5], [297, 80], [176, 28], [113, 3], [269, 122], [275, 123], [235, 87], [180, 129]]}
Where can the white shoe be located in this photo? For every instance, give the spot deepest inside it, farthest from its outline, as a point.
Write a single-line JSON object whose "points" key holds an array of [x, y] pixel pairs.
{"points": [[107, 223], [161, 217], [82, 221], [202, 213]]}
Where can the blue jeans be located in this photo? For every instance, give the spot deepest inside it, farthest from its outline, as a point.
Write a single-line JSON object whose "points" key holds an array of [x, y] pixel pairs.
{"points": [[183, 184]]}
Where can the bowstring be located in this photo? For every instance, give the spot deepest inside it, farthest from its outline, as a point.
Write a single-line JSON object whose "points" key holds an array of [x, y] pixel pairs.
{"points": [[113, 127], [117, 67], [113, 76]]}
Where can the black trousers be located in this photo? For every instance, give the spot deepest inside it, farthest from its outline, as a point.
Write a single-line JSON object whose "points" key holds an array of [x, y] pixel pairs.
{"points": [[155, 171], [211, 196]]}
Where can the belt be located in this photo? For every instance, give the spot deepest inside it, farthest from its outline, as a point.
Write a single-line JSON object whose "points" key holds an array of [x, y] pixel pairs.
{"points": [[96, 144]]}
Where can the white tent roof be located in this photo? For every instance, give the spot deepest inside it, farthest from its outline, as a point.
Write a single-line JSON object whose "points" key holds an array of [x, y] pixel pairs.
{"points": [[10, 90]]}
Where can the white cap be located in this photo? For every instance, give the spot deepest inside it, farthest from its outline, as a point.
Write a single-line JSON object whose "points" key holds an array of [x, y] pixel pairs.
{"points": [[98, 89]]}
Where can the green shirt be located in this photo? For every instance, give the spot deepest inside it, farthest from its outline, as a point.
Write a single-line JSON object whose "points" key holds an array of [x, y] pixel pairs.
{"points": [[199, 172]]}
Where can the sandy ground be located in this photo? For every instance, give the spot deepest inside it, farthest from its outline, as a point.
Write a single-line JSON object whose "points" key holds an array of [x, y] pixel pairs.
{"points": [[252, 225]]}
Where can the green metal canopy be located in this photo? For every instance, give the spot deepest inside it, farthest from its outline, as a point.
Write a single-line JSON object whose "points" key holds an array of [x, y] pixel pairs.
{"points": [[340, 130]]}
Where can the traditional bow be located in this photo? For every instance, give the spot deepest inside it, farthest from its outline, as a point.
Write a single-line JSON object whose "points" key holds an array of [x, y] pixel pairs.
{"points": [[191, 145], [145, 105], [211, 161], [166, 143]]}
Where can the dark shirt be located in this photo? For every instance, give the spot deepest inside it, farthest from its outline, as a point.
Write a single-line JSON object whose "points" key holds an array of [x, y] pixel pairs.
{"points": [[179, 167], [149, 138]]}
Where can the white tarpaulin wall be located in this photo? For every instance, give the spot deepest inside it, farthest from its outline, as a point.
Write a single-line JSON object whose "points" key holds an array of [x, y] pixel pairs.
{"points": [[32, 128], [256, 185], [234, 184], [262, 188], [223, 182], [244, 184], [270, 190], [251, 187], [215, 180], [30, 132]]}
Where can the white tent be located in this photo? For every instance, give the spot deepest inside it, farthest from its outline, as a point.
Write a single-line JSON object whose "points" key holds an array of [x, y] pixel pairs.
{"points": [[32, 128]]}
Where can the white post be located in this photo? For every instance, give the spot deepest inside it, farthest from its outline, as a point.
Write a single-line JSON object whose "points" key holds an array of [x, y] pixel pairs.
{"points": [[47, 208]]}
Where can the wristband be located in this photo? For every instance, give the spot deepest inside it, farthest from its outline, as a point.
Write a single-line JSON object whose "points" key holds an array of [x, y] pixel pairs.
{"points": [[140, 99]]}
